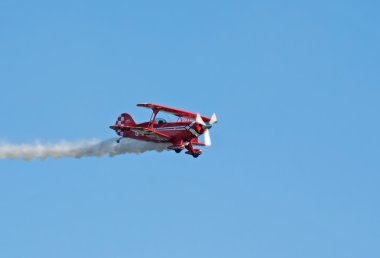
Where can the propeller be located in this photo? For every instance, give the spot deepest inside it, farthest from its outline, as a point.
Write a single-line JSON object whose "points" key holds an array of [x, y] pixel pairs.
{"points": [[199, 120], [207, 138], [208, 126], [213, 119]]}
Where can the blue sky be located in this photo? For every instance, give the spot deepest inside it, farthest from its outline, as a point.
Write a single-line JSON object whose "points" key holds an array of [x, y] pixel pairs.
{"points": [[294, 167]]}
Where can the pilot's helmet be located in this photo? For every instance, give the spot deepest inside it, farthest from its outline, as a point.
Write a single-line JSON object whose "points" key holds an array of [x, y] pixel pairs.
{"points": [[161, 121]]}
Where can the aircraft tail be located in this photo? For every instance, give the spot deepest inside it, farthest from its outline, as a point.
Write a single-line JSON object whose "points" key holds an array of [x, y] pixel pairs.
{"points": [[125, 119]]}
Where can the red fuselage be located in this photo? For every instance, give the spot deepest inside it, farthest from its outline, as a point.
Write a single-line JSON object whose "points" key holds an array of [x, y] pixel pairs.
{"points": [[178, 132]]}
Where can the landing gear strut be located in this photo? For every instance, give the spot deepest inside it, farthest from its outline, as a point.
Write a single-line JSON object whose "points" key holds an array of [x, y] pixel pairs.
{"points": [[191, 151], [119, 139]]}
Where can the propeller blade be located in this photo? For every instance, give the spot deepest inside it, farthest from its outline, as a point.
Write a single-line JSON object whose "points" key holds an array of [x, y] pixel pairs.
{"points": [[207, 138], [213, 119], [199, 120]]}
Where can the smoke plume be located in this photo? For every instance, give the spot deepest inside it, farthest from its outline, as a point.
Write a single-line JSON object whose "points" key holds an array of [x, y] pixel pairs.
{"points": [[88, 148]]}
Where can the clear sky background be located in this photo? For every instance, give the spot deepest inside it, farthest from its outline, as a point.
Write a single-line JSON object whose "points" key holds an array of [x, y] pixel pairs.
{"points": [[294, 168]]}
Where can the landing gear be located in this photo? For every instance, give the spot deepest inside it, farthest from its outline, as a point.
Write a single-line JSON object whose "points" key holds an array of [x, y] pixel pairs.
{"points": [[191, 151], [119, 139], [177, 147]]}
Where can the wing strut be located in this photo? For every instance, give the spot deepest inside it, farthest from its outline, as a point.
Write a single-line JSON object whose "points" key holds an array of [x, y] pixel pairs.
{"points": [[153, 120]]}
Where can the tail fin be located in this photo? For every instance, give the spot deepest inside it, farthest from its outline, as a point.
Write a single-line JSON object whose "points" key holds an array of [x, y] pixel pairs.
{"points": [[125, 119]]}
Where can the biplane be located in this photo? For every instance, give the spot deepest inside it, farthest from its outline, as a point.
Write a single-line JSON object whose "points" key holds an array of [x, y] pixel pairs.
{"points": [[181, 134]]}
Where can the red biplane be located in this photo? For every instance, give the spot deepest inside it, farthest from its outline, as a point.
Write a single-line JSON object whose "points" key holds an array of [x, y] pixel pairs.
{"points": [[183, 133]]}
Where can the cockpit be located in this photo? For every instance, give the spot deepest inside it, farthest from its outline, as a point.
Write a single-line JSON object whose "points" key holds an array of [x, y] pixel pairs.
{"points": [[160, 121]]}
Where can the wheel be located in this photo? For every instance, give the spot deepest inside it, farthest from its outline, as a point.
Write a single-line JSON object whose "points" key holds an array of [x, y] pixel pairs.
{"points": [[196, 155], [178, 151], [118, 141]]}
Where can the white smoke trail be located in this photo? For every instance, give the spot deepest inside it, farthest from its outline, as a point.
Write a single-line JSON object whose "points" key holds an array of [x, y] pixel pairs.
{"points": [[89, 148]]}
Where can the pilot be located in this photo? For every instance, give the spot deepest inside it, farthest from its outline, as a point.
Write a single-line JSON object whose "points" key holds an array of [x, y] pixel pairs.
{"points": [[161, 121]]}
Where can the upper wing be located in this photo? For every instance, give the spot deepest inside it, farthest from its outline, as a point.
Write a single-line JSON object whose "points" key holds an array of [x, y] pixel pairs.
{"points": [[176, 112]]}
